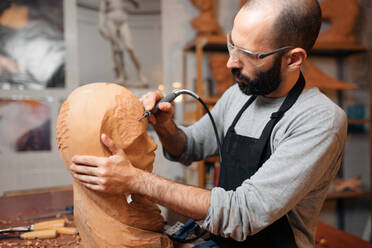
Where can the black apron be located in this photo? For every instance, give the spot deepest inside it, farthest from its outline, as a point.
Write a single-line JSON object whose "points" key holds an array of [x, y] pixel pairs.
{"points": [[242, 157]]}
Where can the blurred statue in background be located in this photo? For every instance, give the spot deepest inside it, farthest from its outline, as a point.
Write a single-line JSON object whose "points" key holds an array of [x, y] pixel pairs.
{"points": [[242, 2], [114, 26], [347, 185], [342, 16], [220, 73], [316, 77], [205, 24], [32, 47]]}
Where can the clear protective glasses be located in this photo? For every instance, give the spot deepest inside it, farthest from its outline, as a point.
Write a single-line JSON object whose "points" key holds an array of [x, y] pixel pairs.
{"points": [[241, 54]]}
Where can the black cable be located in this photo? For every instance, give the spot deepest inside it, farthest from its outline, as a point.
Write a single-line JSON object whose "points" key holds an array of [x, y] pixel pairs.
{"points": [[189, 92], [190, 239], [171, 97]]}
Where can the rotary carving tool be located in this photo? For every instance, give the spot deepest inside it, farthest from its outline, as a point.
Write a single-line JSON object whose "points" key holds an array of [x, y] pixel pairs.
{"points": [[171, 97], [168, 98]]}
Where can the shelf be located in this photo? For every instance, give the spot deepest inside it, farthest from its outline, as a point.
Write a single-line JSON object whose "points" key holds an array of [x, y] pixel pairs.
{"points": [[338, 49], [218, 43], [209, 43], [343, 195], [358, 121], [210, 100], [213, 159]]}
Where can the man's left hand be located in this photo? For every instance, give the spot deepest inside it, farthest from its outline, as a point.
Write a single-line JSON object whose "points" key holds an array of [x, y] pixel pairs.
{"points": [[113, 174]]}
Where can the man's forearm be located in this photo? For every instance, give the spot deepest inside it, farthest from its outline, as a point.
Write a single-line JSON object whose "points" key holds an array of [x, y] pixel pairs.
{"points": [[172, 138], [186, 200]]}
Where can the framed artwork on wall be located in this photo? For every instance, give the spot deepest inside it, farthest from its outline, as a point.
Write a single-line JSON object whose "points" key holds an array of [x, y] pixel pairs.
{"points": [[25, 125], [32, 46], [38, 67]]}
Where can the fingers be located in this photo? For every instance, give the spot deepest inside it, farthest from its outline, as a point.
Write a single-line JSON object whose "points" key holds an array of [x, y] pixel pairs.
{"points": [[86, 178], [91, 182], [109, 143], [149, 100], [86, 170], [92, 161], [94, 187], [166, 107], [152, 120]]}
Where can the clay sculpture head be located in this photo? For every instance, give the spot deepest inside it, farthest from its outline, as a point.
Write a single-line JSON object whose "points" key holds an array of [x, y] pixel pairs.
{"points": [[205, 24], [220, 73], [107, 220]]}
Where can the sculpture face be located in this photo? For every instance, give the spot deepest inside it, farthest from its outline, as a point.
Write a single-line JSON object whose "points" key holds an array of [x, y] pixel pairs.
{"points": [[220, 72], [99, 108]]}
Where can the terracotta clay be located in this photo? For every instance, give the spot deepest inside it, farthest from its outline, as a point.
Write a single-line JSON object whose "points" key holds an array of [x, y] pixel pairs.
{"points": [[15, 17], [316, 77], [220, 73], [109, 220], [342, 15], [205, 24], [242, 2], [348, 184]]}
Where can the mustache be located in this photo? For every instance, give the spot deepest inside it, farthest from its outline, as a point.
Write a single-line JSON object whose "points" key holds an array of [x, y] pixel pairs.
{"points": [[238, 74]]}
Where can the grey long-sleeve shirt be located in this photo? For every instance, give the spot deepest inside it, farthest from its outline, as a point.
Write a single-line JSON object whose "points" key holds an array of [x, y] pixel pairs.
{"points": [[307, 146]]}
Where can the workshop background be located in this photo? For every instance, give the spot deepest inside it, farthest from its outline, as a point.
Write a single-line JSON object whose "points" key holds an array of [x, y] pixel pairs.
{"points": [[86, 57]]}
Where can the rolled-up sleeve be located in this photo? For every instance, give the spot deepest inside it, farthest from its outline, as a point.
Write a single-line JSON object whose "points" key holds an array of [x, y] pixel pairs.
{"points": [[200, 137]]}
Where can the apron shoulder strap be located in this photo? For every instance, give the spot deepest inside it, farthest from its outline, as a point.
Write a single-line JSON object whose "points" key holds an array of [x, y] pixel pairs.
{"points": [[289, 101], [292, 97], [246, 105]]}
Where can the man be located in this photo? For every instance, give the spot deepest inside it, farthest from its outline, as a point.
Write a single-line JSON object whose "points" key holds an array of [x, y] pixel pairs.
{"points": [[282, 141]]}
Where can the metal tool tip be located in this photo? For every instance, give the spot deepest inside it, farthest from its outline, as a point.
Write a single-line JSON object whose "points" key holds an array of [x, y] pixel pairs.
{"points": [[146, 114]]}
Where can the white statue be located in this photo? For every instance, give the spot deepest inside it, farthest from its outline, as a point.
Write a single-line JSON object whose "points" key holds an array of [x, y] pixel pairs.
{"points": [[113, 26]]}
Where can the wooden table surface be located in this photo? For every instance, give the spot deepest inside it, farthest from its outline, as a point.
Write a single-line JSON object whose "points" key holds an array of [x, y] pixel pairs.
{"points": [[13, 210]]}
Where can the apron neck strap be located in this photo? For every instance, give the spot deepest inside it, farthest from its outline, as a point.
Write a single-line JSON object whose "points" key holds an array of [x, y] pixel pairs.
{"points": [[291, 98]]}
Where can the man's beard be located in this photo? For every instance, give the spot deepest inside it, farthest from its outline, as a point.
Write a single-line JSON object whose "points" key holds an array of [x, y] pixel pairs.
{"points": [[264, 83]]}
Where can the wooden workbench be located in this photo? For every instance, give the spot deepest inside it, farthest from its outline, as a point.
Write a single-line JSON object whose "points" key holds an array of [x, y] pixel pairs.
{"points": [[14, 207]]}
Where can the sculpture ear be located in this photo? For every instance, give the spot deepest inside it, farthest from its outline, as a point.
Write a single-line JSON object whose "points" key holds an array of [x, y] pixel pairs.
{"points": [[121, 123]]}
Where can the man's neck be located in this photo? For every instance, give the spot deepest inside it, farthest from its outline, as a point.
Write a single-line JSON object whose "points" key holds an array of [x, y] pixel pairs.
{"points": [[288, 81]]}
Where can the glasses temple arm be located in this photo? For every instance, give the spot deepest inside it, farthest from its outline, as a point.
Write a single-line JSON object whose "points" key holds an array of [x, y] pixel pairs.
{"points": [[264, 55]]}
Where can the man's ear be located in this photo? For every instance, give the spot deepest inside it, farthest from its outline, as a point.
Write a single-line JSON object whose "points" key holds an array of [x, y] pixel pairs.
{"points": [[295, 59]]}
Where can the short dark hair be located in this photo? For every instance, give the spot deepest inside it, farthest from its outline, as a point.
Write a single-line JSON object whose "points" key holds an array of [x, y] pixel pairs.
{"points": [[298, 24]]}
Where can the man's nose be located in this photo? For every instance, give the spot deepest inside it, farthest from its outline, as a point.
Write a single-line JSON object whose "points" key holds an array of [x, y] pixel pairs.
{"points": [[233, 63]]}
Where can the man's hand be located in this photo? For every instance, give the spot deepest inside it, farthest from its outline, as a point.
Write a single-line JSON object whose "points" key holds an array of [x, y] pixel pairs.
{"points": [[112, 174], [116, 175], [166, 109]]}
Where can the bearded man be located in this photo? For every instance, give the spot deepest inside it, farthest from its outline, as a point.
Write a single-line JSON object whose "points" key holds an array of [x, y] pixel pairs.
{"points": [[282, 140]]}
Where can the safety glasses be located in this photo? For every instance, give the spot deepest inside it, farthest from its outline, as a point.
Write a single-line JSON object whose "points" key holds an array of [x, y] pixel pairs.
{"points": [[240, 54]]}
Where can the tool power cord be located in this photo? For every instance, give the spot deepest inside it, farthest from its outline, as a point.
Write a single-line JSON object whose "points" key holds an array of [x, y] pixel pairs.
{"points": [[170, 98], [194, 95]]}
